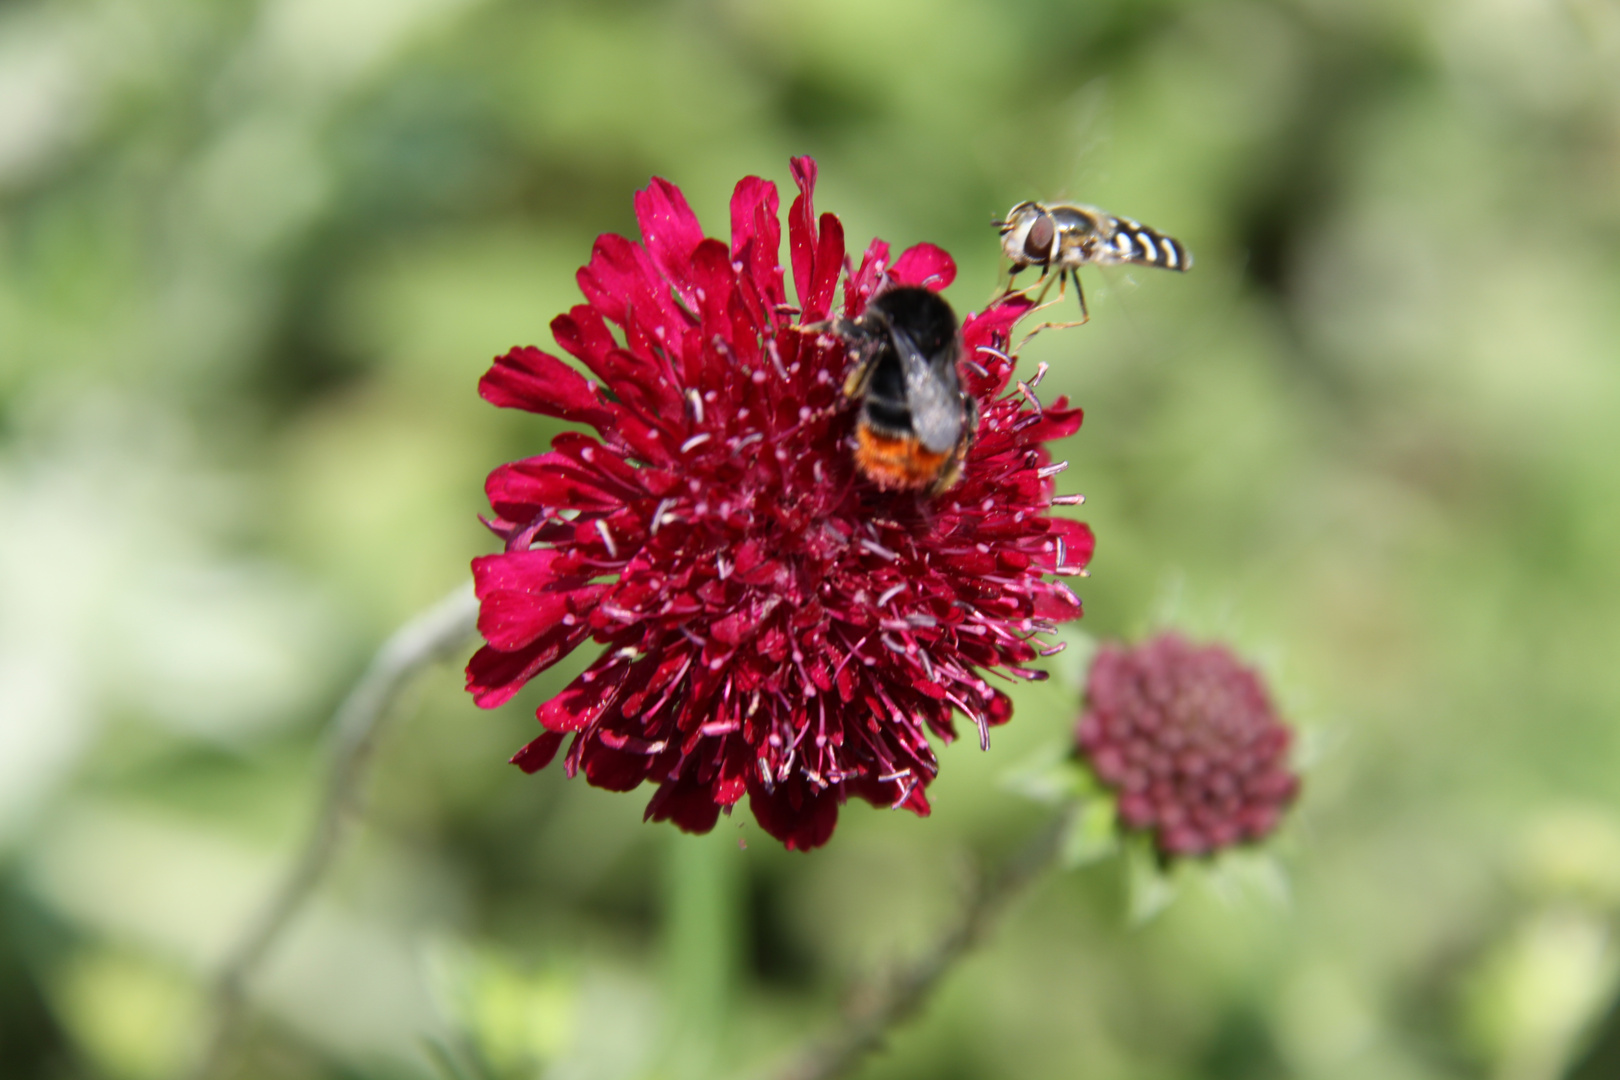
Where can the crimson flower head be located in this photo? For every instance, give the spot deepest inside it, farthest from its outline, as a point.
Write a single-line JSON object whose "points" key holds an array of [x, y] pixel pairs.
{"points": [[773, 624], [1187, 737]]}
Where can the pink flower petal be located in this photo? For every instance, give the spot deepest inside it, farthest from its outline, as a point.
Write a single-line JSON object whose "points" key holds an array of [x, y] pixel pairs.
{"points": [[522, 489], [802, 230], [1057, 423], [801, 818], [756, 237], [493, 676], [613, 770], [926, 265], [690, 806], [828, 262], [538, 753], [538, 382], [669, 229]]}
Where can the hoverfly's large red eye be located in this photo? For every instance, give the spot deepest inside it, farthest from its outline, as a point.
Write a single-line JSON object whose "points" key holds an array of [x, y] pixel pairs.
{"points": [[1038, 244]]}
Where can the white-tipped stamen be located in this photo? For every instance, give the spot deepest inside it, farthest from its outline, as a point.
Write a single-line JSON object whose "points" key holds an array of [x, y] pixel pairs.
{"points": [[658, 515], [878, 549], [607, 538]]}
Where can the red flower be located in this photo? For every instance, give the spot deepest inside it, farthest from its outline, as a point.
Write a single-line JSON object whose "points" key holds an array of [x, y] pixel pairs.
{"points": [[773, 623], [1188, 738]]}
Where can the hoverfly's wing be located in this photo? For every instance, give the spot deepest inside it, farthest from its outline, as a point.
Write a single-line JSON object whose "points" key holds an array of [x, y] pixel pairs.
{"points": [[1127, 241], [933, 393]]}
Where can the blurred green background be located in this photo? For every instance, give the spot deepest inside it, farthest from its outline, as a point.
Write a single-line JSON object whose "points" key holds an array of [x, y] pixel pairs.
{"points": [[255, 255]]}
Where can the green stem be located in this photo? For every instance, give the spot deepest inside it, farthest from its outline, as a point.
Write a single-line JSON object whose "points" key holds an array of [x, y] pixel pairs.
{"points": [[883, 1005], [429, 637], [703, 916]]}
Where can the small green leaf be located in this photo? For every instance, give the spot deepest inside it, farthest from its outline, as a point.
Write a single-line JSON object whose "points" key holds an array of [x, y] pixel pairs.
{"points": [[1151, 889], [1093, 833], [1070, 666], [1050, 776], [1246, 875]]}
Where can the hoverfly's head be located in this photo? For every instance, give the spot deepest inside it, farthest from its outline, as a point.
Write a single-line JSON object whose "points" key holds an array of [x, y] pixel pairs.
{"points": [[1028, 234]]}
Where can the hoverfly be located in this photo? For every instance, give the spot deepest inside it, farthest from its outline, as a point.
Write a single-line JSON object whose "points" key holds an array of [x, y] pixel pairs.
{"points": [[1068, 236]]}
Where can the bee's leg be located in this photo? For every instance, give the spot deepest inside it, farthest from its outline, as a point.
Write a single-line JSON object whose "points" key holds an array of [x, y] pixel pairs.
{"points": [[860, 375]]}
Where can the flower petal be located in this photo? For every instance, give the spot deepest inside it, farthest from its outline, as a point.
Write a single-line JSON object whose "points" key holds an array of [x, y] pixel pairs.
{"points": [[1057, 602], [622, 277], [1056, 423], [756, 237], [985, 337], [538, 753], [493, 675], [867, 280], [926, 265], [669, 229], [824, 278], [801, 817], [538, 382], [638, 380], [802, 232], [689, 805], [1079, 543], [523, 594], [521, 489], [611, 769]]}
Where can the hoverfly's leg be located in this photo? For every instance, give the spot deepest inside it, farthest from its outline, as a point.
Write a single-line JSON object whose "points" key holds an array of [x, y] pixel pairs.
{"points": [[1085, 316], [1046, 286], [1011, 288], [1003, 291], [1056, 325]]}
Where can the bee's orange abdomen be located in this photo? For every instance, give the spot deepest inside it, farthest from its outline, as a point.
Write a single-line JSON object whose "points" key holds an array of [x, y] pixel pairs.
{"points": [[896, 461]]}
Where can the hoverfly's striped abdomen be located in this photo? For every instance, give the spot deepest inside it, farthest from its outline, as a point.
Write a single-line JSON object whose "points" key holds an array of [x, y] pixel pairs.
{"points": [[1133, 242]]}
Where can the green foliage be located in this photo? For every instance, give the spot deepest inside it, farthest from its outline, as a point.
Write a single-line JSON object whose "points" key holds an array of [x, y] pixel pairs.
{"points": [[254, 255]]}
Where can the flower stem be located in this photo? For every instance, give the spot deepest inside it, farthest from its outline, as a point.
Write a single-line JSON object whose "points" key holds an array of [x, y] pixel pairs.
{"points": [[885, 1004], [430, 636], [703, 915]]}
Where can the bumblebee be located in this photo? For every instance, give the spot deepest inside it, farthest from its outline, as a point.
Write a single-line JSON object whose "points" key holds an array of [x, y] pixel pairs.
{"points": [[915, 424], [1068, 236]]}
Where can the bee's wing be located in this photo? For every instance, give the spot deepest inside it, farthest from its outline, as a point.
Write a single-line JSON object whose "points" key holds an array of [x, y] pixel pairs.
{"points": [[1132, 242], [933, 394]]}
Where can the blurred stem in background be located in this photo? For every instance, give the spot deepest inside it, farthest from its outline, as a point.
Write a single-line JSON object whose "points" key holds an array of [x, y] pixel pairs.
{"points": [[883, 1004], [431, 636], [703, 925]]}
